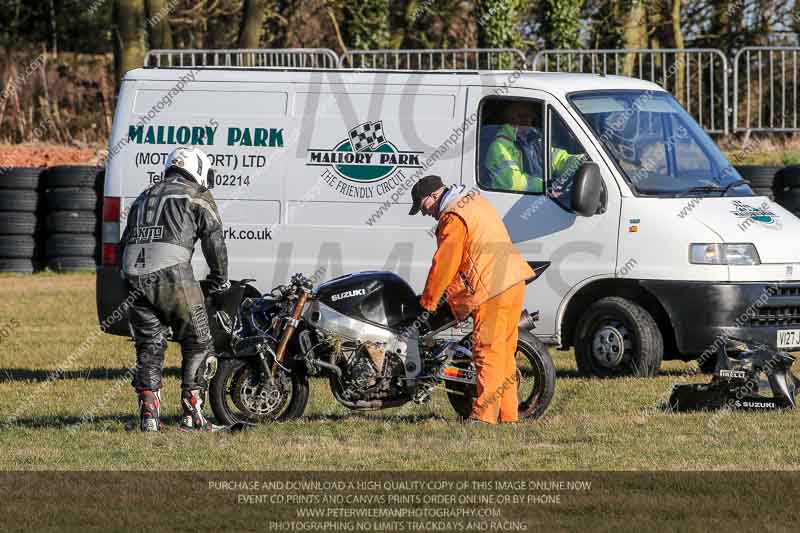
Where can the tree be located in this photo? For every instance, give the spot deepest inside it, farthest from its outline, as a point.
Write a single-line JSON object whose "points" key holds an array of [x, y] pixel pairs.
{"points": [[128, 36], [561, 20], [252, 28], [199, 29], [159, 31], [404, 16], [498, 25], [766, 15], [365, 24], [657, 24], [720, 32], [796, 19], [634, 32], [605, 31], [54, 28], [678, 42]]}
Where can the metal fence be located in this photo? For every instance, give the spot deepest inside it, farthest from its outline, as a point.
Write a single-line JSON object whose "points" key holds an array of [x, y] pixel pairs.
{"points": [[436, 59], [244, 58], [697, 77], [765, 89]]}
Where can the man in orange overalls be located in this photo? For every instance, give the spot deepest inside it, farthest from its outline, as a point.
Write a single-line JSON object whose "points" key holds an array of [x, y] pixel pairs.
{"points": [[480, 272]]}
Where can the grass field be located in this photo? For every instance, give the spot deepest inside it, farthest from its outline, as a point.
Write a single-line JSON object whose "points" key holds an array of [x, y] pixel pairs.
{"points": [[79, 421]]}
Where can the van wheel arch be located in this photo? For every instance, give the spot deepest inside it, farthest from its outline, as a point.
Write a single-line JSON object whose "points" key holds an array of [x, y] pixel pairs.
{"points": [[623, 288]]}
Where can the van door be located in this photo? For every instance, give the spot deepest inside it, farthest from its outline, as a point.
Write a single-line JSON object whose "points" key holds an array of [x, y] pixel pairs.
{"points": [[242, 127], [348, 189], [525, 153]]}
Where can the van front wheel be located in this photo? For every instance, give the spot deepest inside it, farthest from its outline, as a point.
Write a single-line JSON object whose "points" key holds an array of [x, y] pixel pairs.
{"points": [[617, 337]]}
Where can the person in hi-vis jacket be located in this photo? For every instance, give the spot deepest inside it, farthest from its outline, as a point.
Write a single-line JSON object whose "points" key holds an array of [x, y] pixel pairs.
{"points": [[514, 158]]}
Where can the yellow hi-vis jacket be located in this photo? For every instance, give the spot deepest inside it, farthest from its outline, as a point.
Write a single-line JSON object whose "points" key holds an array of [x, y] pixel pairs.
{"points": [[504, 162]]}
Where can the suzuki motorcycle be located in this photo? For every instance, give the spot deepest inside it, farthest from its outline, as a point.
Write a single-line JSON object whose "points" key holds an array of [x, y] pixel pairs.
{"points": [[365, 333]]}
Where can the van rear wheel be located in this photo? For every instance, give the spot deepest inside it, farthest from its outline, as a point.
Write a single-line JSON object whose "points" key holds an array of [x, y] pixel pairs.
{"points": [[618, 337]]}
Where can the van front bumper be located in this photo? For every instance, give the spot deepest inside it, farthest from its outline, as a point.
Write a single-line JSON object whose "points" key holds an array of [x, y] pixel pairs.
{"points": [[703, 312]]}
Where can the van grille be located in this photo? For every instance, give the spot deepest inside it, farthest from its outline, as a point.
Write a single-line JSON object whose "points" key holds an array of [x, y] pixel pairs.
{"points": [[781, 309], [776, 316], [784, 291]]}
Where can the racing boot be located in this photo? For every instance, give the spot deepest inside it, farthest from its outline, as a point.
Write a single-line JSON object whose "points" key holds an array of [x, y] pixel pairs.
{"points": [[192, 418], [149, 411]]}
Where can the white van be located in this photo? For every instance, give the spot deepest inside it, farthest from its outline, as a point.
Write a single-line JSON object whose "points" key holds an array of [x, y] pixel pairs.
{"points": [[314, 169]]}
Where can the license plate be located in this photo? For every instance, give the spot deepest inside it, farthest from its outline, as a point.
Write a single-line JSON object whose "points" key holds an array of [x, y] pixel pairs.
{"points": [[788, 338]]}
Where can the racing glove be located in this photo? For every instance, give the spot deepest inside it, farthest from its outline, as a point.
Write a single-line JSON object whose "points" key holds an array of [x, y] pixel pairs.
{"points": [[217, 291]]}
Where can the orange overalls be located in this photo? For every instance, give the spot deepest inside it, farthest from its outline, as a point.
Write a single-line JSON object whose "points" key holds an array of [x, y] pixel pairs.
{"points": [[480, 271]]}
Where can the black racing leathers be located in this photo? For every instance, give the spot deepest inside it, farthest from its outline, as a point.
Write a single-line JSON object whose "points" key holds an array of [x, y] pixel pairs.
{"points": [[164, 223]]}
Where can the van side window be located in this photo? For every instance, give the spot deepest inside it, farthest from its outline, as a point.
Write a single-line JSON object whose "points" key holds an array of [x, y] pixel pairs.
{"points": [[566, 157], [511, 145]]}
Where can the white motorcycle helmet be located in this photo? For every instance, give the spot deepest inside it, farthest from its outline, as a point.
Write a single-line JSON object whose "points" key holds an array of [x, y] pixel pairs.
{"points": [[192, 163]]}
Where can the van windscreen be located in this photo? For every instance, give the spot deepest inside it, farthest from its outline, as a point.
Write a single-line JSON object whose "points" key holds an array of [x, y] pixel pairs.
{"points": [[657, 145]]}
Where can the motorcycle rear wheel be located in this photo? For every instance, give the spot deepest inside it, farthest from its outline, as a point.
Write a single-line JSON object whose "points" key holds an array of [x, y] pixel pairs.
{"points": [[237, 395], [536, 381]]}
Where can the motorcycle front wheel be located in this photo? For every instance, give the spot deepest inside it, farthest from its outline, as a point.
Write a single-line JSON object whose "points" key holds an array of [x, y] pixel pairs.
{"points": [[238, 394], [536, 380]]}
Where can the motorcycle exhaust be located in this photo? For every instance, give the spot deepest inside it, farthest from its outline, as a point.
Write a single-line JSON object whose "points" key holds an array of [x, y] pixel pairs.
{"points": [[328, 366]]}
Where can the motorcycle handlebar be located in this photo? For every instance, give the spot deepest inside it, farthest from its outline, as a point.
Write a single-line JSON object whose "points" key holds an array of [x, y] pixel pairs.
{"points": [[298, 283]]}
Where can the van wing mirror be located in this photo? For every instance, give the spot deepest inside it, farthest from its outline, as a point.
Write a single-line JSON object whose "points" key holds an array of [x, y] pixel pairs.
{"points": [[588, 190]]}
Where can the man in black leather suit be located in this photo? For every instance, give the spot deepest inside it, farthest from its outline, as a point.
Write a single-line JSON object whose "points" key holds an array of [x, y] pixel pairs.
{"points": [[164, 223]]}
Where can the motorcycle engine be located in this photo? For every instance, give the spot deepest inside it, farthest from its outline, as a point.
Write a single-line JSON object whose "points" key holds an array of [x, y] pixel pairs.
{"points": [[371, 373]]}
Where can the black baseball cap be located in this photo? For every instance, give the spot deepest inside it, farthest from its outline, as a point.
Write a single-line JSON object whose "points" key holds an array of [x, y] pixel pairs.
{"points": [[423, 188]]}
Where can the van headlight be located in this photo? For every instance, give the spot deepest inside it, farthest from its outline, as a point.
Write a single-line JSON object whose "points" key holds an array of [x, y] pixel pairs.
{"points": [[723, 254]]}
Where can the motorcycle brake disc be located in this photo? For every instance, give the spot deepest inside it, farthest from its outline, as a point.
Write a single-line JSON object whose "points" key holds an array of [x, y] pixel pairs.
{"points": [[259, 399]]}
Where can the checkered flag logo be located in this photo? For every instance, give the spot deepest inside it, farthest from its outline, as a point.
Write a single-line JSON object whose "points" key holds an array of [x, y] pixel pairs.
{"points": [[368, 135]]}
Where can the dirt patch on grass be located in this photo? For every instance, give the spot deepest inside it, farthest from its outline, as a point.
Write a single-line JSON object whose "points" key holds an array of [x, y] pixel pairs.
{"points": [[47, 155]]}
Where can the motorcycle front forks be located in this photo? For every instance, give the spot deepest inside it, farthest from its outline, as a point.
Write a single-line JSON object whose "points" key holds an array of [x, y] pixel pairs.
{"points": [[288, 331]]}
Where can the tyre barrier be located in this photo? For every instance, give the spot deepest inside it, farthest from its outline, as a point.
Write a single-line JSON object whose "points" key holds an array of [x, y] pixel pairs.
{"points": [[49, 218], [761, 178], [17, 246], [84, 177], [19, 266], [19, 202], [787, 188], [71, 264], [71, 222], [17, 223], [70, 245], [70, 198], [20, 178], [73, 200]]}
